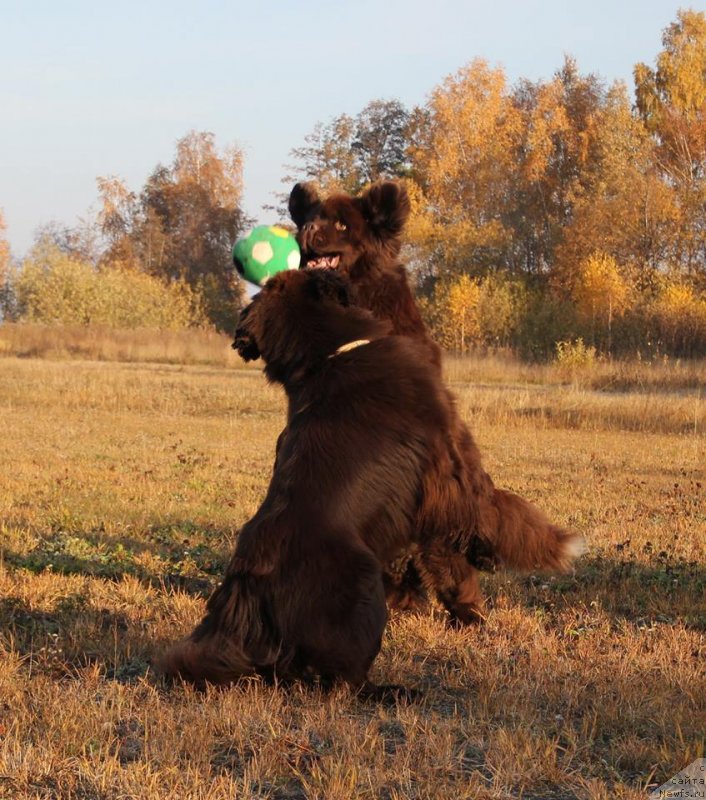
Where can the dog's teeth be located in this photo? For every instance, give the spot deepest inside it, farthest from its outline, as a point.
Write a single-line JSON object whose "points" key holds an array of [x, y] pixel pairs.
{"points": [[324, 262]]}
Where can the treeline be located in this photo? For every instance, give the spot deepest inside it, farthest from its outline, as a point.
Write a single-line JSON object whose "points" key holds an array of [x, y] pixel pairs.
{"points": [[548, 211], [543, 212], [157, 258]]}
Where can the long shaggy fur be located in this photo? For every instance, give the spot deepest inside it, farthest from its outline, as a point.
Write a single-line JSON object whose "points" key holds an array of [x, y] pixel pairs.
{"points": [[372, 469], [303, 594], [362, 236]]}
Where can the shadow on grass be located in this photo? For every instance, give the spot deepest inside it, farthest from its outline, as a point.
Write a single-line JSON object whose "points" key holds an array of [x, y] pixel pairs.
{"points": [[73, 635], [641, 588], [178, 554], [658, 588]]}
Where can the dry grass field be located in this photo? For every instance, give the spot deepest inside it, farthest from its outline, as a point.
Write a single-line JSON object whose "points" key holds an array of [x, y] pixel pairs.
{"points": [[122, 486]]}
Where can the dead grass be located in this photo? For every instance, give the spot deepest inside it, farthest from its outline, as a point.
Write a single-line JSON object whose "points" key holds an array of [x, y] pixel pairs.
{"points": [[97, 343], [121, 490], [205, 347], [661, 374]]}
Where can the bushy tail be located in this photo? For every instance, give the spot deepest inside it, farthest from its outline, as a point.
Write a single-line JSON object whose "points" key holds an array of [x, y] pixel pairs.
{"points": [[524, 539], [209, 660]]}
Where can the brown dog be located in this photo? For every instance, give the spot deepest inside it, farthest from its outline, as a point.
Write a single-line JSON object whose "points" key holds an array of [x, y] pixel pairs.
{"points": [[303, 592], [359, 237], [368, 469]]}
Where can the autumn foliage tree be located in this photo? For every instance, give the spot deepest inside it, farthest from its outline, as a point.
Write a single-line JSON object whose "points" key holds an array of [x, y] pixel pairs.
{"points": [[160, 257], [671, 101], [327, 157], [623, 208], [182, 224], [602, 294], [678, 317], [53, 287], [465, 171], [555, 159]]}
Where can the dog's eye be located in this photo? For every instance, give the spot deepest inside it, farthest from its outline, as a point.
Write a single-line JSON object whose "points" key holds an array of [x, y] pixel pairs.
{"points": [[340, 226]]}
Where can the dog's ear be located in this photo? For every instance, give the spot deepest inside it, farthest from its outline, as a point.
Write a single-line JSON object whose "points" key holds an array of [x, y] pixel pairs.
{"points": [[386, 207], [325, 284], [302, 200]]}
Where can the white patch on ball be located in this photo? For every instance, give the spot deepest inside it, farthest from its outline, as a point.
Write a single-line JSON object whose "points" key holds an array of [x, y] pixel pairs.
{"points": [[293, 259], [262, 252]]}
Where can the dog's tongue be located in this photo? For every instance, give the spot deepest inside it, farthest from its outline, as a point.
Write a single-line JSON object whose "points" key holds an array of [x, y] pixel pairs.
{"points": [[323, 262]]}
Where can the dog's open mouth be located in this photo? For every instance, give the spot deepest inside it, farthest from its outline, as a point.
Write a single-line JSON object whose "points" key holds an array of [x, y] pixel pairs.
{"points": [[324, 262]]}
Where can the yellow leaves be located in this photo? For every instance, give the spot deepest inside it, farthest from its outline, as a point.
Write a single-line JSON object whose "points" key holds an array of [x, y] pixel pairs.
{"points": [[466, 166], [469, 108], [331, 157], [452, 312], [449, 242], [681, 66], [545, 120], [679, 301], [466, 312], [54, 288], [601, 291], [572, 356], [181, 224], [474, 130], [462, 302], [671, 99], [117, 203], [422, 228], [680, 313], [220, 176]]}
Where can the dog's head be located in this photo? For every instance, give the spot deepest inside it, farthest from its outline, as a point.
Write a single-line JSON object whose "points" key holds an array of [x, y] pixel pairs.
{"points": [[299, 319], [342, 231]]}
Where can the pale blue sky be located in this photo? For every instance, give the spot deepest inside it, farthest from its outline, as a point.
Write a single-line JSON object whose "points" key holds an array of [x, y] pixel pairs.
{"points": [[95, 88]]}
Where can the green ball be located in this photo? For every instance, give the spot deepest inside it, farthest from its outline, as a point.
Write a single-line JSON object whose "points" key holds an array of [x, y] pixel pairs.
{"points": [[265, 251]]}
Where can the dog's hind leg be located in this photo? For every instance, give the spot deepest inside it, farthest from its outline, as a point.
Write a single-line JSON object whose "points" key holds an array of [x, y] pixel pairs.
{"points": [[346, 642], [404, 589], [457, 585]]}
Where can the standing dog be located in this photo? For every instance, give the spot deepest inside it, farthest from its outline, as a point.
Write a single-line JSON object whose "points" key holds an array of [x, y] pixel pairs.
{"points": [[359, 237]]}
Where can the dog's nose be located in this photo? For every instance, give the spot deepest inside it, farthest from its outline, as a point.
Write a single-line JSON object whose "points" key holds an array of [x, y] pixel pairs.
{"points": [[308, 232]]}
